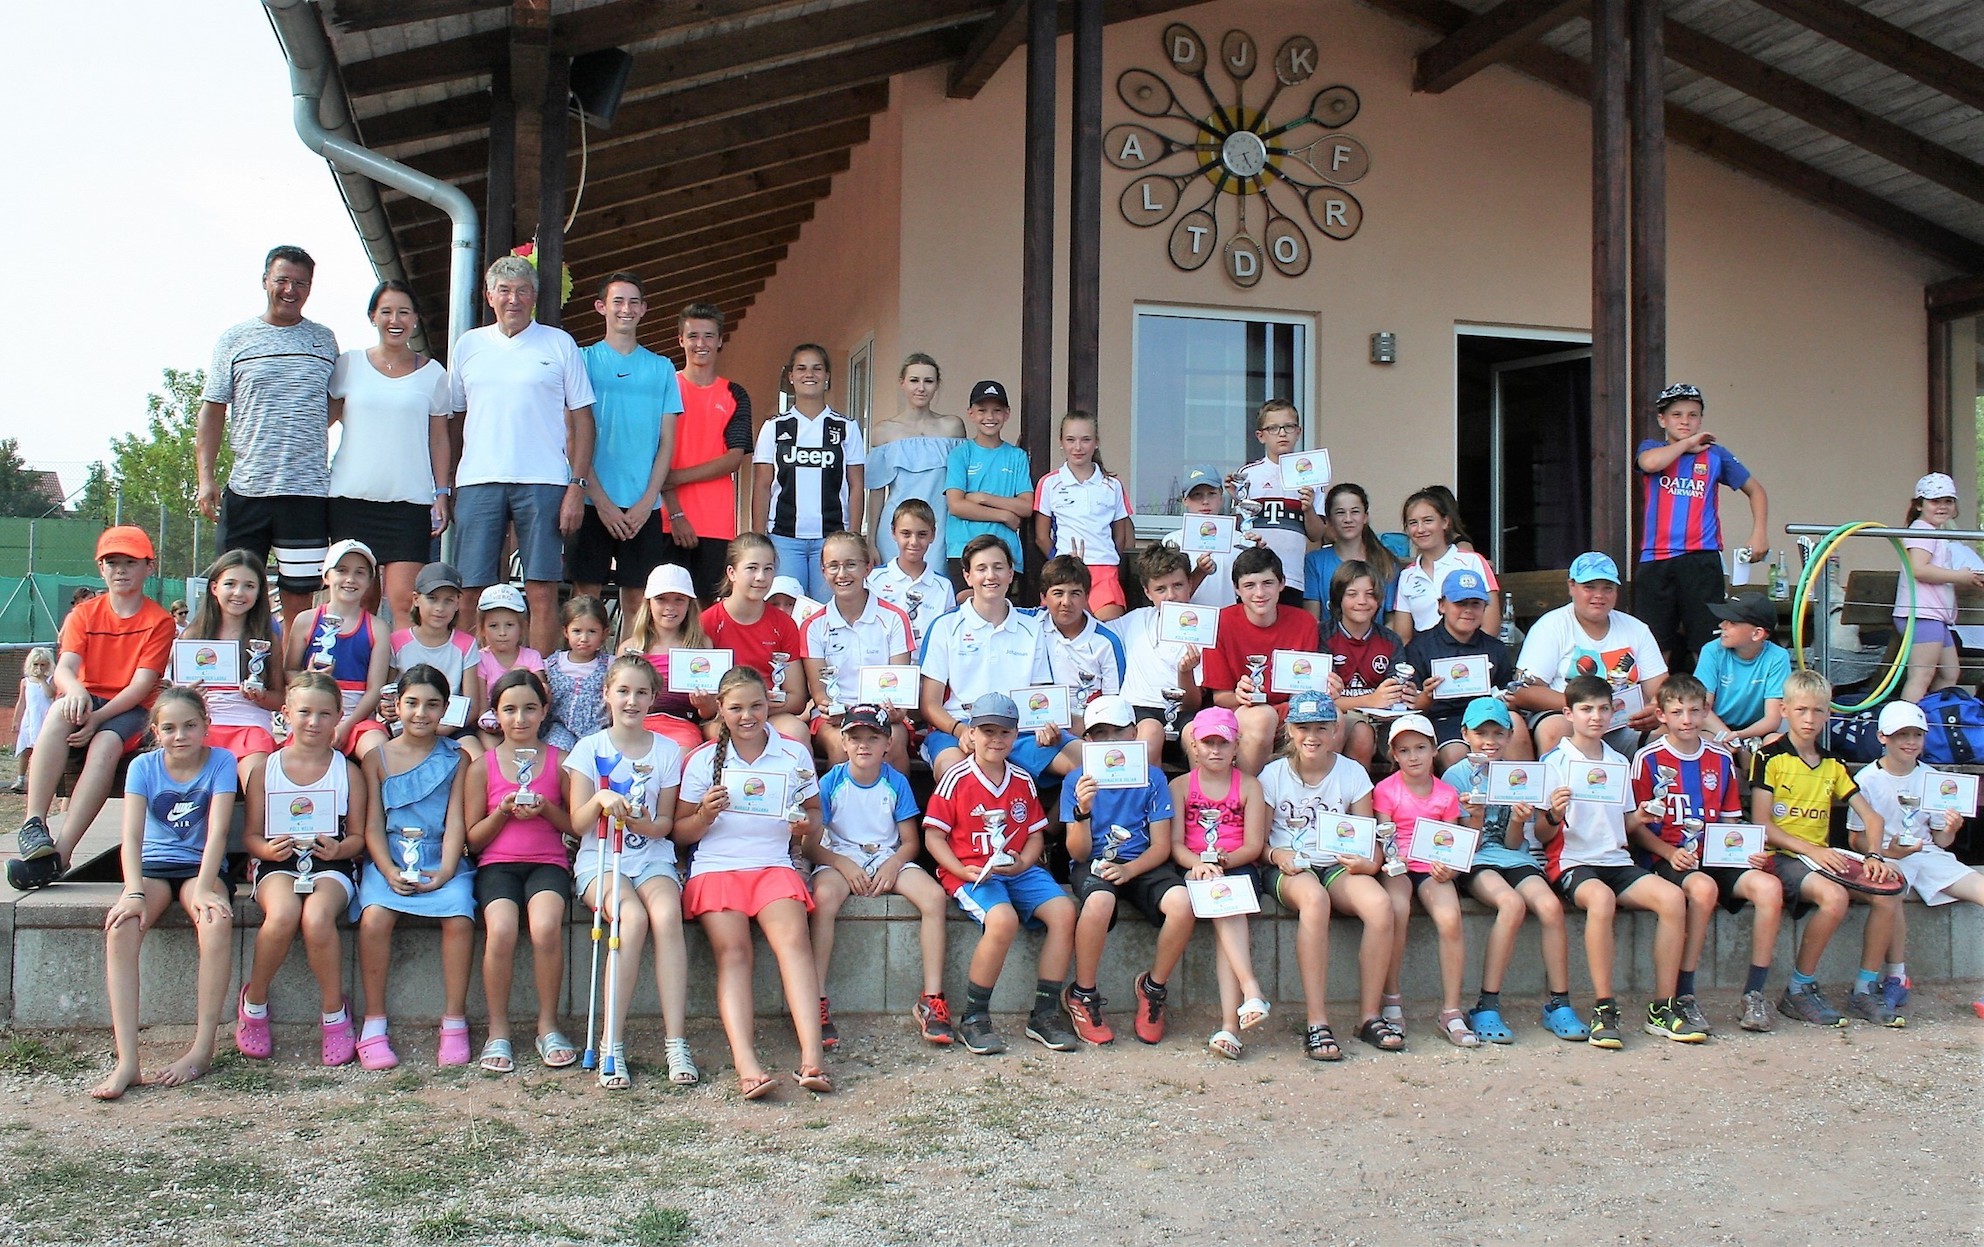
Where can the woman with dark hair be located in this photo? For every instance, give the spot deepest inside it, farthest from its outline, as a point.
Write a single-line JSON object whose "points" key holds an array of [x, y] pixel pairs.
{"points": [[389, 474], [907, 455]]}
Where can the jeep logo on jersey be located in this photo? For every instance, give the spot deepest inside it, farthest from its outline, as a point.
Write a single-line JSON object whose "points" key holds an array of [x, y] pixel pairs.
{"points": [[811, 457]]}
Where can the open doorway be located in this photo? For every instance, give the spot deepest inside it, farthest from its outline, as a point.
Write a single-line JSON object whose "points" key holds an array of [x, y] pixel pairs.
{"points": [[1523, 408]]}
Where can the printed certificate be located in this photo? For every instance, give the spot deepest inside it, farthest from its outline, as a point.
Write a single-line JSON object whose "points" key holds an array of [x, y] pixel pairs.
{"points": [[1601, 783], [1299, 671], [1444, 844], [1950, 790], [311, 814], [1206, 534], [1461, 677], [891, 686], [1306, 469], [1042, 705], [1731, 844], [1224, 897], [756, 792], [696, 670], [216, 664], [1517, 783], [1189, 623], [1116, 763]]}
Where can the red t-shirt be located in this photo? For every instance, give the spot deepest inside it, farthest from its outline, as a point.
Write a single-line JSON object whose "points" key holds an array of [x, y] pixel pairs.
{"points": [[715, 419], [752, 645], [1226, 662], [115, 649], [957, 808]]}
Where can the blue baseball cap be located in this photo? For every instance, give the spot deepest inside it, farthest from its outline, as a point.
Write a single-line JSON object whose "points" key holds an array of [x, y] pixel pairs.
{"points": [[994, 710], [1311, 708], [1201, 475], [1464, 585], [1486, 710], [1593, 566]]}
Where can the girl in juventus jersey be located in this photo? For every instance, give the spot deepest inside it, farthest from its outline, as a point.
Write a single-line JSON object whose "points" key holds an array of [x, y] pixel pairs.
{"points": [[808, 473]]}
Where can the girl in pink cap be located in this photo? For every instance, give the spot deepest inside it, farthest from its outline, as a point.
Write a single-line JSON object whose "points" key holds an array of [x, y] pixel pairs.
{"points": [[1223, 831]]}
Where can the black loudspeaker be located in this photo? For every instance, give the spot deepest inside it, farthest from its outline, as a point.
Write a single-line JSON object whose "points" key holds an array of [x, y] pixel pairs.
{"points": [[598, 79]]}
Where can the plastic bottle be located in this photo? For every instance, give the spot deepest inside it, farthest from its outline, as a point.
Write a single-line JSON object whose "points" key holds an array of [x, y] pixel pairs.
{"points": [[1780, 586]]}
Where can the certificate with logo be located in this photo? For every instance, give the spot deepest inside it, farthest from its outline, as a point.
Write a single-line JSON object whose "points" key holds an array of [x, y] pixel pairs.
{"points": [[216, 664], [1042, 705], [696, 670], [891, 686], [311, 814], [1345, 835], [1223, 897], [1188, 622], [1950, 790], [1461, 677], [1306, 469], [1443, 844], [1626, 702], [1600, 783], [1731, 844], [1300, 671], [756, 792], [1116, 764], [1206, 534], [1517, 783]]}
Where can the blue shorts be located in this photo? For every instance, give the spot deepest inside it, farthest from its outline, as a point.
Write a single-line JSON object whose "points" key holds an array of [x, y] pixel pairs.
{"points": [[1927, 631], [799, 558], [1025, 892], [1027, 753], [482, 512]]}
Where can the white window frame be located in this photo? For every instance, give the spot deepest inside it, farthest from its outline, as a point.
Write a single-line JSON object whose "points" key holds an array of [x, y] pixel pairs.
{"points": [[861, 365]]}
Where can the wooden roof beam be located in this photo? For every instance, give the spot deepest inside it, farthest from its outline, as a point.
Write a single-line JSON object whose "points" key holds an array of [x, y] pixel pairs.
{"points": [[633, 21], [1957, 297], [357, 15], [1882, 41], [660, 269], [1765, 163], [602, 224], [1489, 38], [468, 57], [606, 252], [582, 321], [998, 37], [1816, 107]]}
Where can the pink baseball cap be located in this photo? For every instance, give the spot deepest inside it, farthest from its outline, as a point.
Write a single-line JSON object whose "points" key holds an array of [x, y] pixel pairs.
{"points": [[1215, 722]]}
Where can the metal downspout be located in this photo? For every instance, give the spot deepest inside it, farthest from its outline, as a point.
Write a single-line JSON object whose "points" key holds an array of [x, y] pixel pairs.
{"points": [[323, 122]]}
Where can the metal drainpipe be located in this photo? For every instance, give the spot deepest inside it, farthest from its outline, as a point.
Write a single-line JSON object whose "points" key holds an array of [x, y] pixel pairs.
{"points": [[323, 122]]}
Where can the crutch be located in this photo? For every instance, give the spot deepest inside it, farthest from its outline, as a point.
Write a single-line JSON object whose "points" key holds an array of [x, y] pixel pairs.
{"points": [[591, 1058], [610, 1033]]}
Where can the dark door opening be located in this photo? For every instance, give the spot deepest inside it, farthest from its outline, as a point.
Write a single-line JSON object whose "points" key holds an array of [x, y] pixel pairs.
{"points": [[1524, 449]]}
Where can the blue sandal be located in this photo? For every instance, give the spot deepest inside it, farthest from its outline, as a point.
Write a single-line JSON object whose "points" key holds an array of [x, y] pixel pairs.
{"points": [[1488, 1026], [1563, 1022]]}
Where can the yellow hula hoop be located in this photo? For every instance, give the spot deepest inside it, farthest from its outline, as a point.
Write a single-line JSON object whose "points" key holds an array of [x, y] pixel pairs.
{"points": [[1801, 602]]}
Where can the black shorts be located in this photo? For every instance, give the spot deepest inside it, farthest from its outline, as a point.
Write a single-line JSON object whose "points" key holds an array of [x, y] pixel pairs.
{"points": [[518, 882], [170, 873], [1791, 873], [293, 527], [395, 532], [1325, 875], [1514, 876], [1291, 596], [1724, 878], [1148, 714], [1145, 892], [1420, 878], [1446, 731], [1618, 878], [704, 562], [1671, 598], [131, 726], [592, 553]]}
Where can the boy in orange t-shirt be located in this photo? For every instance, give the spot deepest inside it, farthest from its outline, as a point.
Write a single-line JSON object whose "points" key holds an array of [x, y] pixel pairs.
{"points": [[116, 647]]}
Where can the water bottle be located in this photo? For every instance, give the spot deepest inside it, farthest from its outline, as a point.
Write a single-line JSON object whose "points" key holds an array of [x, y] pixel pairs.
{"points": [[1780, 587]]}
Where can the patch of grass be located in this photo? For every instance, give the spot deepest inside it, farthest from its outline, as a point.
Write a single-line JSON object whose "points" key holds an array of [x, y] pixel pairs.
{"points": [[30, 1054], [848, 1187], [452, 1226], [655, 1226], [236, 1073]]}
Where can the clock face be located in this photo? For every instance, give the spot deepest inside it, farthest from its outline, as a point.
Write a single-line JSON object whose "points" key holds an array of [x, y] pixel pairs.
{"points": [[1244, 154]]}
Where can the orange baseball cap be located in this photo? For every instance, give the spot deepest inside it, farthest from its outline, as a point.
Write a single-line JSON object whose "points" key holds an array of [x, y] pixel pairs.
{"points": [[126, 539]]}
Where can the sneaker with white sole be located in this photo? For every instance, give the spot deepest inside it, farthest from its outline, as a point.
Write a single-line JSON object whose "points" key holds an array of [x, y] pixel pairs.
{"points": [[35, 840], [1756, 1012], [1806, 1004]]}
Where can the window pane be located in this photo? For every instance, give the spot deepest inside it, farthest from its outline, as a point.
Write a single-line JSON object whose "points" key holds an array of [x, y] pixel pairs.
{"points": [[1199, 381]]}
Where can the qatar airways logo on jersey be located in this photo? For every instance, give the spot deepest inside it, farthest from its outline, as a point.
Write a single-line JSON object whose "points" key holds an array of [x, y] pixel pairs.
{"points": [[1687, 487]]}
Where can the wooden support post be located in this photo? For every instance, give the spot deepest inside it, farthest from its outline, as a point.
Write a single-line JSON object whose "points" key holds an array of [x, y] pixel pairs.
{"points": [[1037, 248], [1610, 386], [1941, 426], [1085, 213], [498, 208], [530, 61], [555, 125], [1649, 125]]}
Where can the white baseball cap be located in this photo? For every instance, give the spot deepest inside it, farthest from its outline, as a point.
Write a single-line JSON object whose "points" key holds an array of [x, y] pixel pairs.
{"points": [[1899, 715], [334, 555], [786, 586], [502, 598], [1108, 710], [1411, 723], [670, 578], [1935, 485]]}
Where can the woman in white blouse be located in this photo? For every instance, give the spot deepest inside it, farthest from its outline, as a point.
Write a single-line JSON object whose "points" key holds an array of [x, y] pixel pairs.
{"points": [[389, 476]]}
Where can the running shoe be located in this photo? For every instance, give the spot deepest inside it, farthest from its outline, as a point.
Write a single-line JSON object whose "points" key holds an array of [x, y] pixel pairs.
{"points": [[1044, 1027], [1872, 1006], [1665, 1020], [1691, 1013], [1895, 991], [1756, 1012], [1085, 1011], [933, 1019], [1807, 1005], [1605, 1028], [975, 1030], [35, 841], [829, 1033], [1150, 1010]]}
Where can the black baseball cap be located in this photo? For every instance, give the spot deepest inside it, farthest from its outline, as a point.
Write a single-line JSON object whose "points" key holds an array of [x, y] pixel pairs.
{"points": [[1749, 608], [865, 716], [989, 390]]}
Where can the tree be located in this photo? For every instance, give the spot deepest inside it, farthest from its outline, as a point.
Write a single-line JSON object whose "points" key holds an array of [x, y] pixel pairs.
{"points": [[153, 476], [20, 493]]}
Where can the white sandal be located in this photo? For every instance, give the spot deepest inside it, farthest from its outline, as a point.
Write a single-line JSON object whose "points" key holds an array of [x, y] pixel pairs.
{"points": [[1227, 1044], [682, 1069], [1253, 1012]]}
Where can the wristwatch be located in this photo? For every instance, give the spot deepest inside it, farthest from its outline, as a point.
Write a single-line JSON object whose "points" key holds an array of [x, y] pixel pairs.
{"points": [[580, 481], [442, 491]]}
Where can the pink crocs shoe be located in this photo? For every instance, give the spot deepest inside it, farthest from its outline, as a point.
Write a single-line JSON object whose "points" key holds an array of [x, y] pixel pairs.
{"points": [[340, 1040], [251, 1035], [454, 1046], [374, 1053]]}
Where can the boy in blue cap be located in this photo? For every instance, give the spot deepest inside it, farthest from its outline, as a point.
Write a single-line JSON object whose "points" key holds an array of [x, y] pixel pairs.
{"points": [[1463, 607]]}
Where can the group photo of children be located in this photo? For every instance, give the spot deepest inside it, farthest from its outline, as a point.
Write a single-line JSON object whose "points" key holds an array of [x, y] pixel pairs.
{"points": [[683, 668]]}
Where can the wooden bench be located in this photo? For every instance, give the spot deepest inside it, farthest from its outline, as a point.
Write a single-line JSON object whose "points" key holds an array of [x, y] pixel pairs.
{"points": [[1869, 605]]}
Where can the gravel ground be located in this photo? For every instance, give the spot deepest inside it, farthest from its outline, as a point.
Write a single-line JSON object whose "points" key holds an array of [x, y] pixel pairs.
{"points": [[1799, 1136]]}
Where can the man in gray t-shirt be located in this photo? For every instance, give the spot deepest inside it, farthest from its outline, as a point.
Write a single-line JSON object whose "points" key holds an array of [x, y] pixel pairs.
{"points": [[269, 386]]}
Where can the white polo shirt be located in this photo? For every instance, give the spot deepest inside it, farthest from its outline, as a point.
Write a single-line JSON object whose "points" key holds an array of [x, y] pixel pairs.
{"points": [[516, 391], [1082, 511], [972, 657], [1091, 652], [1418, 593], [935, 596], [872, 640], [1149, 665]]}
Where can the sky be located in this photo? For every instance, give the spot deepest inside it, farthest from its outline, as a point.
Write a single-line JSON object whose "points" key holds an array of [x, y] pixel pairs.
{"points": [[150, 166]]}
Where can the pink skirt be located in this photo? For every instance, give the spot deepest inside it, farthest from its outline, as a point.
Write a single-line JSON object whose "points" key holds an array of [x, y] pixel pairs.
{"points": [[745, 891], [241, 740]]}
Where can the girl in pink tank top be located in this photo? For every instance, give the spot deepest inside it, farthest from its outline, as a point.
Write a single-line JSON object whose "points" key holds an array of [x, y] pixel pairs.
{"points": [[1219, 803]]}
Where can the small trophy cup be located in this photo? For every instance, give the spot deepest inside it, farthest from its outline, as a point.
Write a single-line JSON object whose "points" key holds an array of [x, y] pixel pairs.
{"points": [[1388, 836], [325, 637], [1518, 681], [1174, 701], [1308, 831], [258, 664], [830, 676], [1908, 834], [278, 727], [1407, 676], [795, 805], [780, 661], [1088, 685], [1691, 835], [1663, 783], [389, 708], [995, 832], [1621, 673], [1257, 666], [526, 763], [1209, 824], [1477, 788], [410, 838], [912, 605], [306, 882], [1113, 841]]}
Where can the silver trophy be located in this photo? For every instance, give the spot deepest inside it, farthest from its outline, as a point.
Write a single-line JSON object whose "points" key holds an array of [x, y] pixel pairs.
{"points": [[1394, 859], [1664, 778], [258, 665], [795, 805], [1908, 835], [410, 838], [1113, 841], [321, 642], [1621, 673], [1306, 831], [1477, 785], [526, 763], [1174, 701], [306, 882], [912, 605], [389, 709], [1518, 681], [278, 727], [1088, 685], [995, 835], [1407, 676], [637, 799], [1257, 666], [780, 661], [1209, 825], [1692, 829], [830, 676]]}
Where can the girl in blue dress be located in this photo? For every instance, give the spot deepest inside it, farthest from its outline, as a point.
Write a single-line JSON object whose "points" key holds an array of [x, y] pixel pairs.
{"points": [[420, 782]]}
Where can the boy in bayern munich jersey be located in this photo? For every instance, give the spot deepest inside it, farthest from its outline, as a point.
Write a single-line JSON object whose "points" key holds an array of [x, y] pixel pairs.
{"points": [[1681, 555], [1289, 521]]}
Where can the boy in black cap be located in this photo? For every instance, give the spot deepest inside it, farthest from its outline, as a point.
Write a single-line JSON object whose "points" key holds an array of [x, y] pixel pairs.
{"points": [[988, 481], [1744, 674]]}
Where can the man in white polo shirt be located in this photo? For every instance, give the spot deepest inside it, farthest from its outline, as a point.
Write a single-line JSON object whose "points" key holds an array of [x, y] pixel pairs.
{"points": [[527, 439]]}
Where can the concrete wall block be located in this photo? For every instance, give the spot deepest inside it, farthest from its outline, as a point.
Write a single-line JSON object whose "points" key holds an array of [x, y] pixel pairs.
{"points": [[1966, 927]]}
